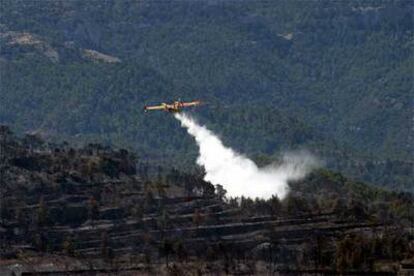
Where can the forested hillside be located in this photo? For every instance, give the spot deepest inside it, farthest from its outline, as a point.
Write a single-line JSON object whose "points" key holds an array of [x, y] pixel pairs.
{"points": [[98, 210], [333, 77]]}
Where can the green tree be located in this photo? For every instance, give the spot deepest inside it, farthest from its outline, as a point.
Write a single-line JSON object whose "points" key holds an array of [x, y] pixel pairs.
{"points": [[93, 209], [42, 214], [68, 246]]}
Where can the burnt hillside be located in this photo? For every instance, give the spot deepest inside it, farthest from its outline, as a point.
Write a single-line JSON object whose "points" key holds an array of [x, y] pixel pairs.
{"points": [[68, 210]]}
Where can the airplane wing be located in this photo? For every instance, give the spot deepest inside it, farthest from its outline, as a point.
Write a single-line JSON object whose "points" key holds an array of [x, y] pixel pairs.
{"points": [[191, 103], [156, 107]]}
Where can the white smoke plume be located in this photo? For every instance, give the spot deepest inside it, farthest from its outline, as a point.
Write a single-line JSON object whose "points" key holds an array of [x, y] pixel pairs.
{"points": [[239, 175]]}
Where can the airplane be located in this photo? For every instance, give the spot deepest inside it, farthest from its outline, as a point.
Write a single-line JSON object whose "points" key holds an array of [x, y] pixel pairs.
{"points": [[174, 107]]}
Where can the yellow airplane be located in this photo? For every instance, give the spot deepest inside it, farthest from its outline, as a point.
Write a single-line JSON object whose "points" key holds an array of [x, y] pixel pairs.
{"points": [[173, 107]]}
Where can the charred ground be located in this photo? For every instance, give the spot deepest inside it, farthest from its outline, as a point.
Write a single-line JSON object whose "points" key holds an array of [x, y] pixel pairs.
{"points": [[100, 210]]}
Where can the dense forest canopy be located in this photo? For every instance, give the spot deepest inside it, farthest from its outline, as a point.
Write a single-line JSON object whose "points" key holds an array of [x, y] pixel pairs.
{"points": [[333, 77]]}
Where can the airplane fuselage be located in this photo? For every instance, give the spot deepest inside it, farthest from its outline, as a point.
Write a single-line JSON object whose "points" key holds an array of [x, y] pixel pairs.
{"points": [[176, 106]]}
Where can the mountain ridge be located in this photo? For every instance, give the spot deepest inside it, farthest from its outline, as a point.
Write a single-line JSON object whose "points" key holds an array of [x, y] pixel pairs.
{"points": [[344, 76]]}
